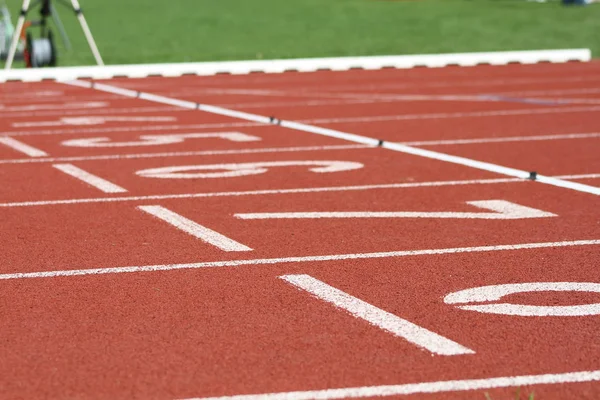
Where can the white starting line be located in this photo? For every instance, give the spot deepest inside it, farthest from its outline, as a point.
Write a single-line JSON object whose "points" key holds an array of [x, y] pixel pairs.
{"points": [[91, 179], [499, 169]]}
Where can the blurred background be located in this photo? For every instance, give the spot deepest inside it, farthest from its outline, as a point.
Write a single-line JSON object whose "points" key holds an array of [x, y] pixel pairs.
{"points": [[158, 31]]}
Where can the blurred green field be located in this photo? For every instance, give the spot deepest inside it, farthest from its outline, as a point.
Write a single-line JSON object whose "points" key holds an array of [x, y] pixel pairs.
{"points": [[152, 31]]}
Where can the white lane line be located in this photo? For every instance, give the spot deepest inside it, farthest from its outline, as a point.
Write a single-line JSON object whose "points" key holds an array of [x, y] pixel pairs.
{"points": [[271, 261], [502, 210], [98, 111], [340, 120], [282, 191], [434, 116], [391, 323], [193, 228], [421, 388], [499, 169], [188, 153], [90, 179], [567, 136], [22, 147]]}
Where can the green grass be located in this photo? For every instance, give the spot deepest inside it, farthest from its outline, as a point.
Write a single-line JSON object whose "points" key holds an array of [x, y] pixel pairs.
{"points": [[148, 31]]}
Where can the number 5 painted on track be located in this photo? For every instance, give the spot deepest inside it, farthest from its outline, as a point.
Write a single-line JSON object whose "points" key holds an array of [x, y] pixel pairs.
{"points": [[243, 169], [156, 140]]}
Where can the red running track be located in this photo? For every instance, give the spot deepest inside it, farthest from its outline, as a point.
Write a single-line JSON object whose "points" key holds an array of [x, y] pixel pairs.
{"points": [[152, 251]]}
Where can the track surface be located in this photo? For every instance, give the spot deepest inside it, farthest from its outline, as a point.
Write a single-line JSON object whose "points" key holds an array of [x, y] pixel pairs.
{"points": [[104, 298]]}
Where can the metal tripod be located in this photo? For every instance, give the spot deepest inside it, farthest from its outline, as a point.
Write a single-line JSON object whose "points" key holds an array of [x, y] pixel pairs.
{"points": [[46, 10]]}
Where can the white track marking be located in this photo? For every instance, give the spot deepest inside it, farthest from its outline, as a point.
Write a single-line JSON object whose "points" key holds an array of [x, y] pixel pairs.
{"points": [[503, 210], [198, 231], [242, 169], [435, 116], [340, 120], [64, 106], [157, 140], [417, 388], [496, 292], [282, 191], [308, 259], [361, 139], [391, 323], [188, 153], [97, 111], [90, 179], [92, 120], [22, 147], [566, 136]]}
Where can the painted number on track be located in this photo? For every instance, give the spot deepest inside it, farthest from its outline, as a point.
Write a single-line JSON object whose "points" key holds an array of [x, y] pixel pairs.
{"points": [[155, 140], [243, 169]]}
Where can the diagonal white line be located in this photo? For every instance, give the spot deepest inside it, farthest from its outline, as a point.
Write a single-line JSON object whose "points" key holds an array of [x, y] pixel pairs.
{"points": [[397, 326], [22, 147], [90, 179], [193, 228]]}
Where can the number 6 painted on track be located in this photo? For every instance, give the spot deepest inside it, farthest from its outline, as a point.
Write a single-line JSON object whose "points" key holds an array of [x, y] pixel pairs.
{"points": [[481, 294]]}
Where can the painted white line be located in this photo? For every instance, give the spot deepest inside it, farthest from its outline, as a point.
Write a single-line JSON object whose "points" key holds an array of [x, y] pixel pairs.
{"points": [[391, 323], [499, 169], [503, 210], [326, 121], [580, 187], [567, 136], [90, 179], [302, 65], [22, 147], [282, 191], [94, 120], [420, 388], [98, 111], [188, 153], [193, 228], [472, 114], [59, 107], [271, 261]]}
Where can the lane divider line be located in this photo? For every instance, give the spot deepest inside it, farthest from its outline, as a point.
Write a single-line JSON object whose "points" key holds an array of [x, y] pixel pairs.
{"points": [[326, 121], [190, 227], [280, 191], [463, 385], [490, 167], [186, 153], [303, 259], [22, 147], [377, 317], [91, 179]]}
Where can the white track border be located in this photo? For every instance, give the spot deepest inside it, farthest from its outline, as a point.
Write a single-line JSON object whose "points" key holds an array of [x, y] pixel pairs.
{"points": [[300, 65]]}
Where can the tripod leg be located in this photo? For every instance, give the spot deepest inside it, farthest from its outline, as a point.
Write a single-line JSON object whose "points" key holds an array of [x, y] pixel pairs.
{"points": [[17, 35], [87, 32], [60, 27]]}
